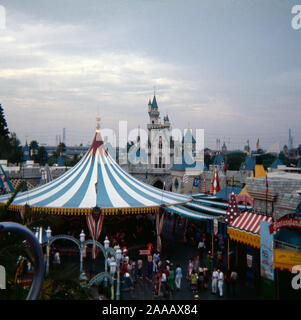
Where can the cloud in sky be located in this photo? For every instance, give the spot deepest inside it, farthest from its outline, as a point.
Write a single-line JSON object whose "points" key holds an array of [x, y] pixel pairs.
{"points": [[228, 67]]}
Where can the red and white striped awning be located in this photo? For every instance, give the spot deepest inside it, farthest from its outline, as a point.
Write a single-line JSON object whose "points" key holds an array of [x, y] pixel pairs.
{"points": [[249, 222]]}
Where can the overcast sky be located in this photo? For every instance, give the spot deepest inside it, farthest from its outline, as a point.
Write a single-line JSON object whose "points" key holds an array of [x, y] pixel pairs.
{"points": [[230, 67]]}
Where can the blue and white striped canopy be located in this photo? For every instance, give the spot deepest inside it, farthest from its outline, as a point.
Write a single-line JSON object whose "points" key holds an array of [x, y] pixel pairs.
{"points": [[97, 180]]}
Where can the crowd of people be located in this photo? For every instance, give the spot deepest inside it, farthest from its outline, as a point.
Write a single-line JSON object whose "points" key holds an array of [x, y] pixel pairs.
{"points": [[166, 277]]}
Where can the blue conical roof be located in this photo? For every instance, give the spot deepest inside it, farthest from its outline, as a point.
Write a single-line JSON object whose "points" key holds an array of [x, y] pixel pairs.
{"points": [[218, 160], [248, 164], [154, 103], [276, 163], [188, 137]]}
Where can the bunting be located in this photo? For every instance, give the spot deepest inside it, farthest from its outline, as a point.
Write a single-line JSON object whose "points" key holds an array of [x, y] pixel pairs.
{"points": [[95, 223]]}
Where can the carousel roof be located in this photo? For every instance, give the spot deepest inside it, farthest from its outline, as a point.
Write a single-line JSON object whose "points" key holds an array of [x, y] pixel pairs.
{"points": [[96, 180]]}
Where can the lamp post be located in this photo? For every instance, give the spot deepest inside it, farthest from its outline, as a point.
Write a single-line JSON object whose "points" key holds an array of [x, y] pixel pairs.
{"points": [[118, 258], [113, 267], [106, 246], [82, 238], [48, 234]]}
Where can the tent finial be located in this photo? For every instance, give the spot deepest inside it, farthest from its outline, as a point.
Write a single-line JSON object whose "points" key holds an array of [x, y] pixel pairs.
{"points": [[98, 124]]}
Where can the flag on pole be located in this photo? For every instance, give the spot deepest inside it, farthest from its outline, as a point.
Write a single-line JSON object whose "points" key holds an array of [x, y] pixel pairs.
{"points": [[214, 188]]}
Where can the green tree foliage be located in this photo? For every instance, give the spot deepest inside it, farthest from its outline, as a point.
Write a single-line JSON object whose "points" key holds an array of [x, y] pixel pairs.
{"points": [[4, 134], [60, 148], [10, 147], [15, 149], [235, 159], [268, 159]]}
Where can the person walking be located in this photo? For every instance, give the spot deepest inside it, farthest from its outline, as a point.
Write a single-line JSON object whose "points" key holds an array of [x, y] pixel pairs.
{"points": [[228, 281], [139, 268], [201, 248], [196, 263], [150, 267], [234, 277], [206, 277], [189, 269], [214, 281], [171, 278], [201, 279], [57, 259], [220, 283], [156, 259], [178, 277], [194, 281]]}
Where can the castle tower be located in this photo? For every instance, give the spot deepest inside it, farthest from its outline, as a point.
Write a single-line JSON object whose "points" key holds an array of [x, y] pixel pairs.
{"points": [[158, 137]]}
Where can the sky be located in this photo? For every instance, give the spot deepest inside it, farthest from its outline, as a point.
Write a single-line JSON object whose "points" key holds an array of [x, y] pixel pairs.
{"points": [[230, 67]]}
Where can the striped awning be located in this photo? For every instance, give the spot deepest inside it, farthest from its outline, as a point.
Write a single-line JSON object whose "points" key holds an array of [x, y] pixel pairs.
{"points": [[205, 208], [96, 180], [249, 222], [221, 204], [246, 228], [187, 213]]}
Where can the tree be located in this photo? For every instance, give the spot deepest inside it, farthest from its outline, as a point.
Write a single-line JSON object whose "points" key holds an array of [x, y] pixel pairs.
{"points": [[15, 153], [42, 155], [268, 159], [33, 149], [235, 159], [4, 135], [60, 148]]}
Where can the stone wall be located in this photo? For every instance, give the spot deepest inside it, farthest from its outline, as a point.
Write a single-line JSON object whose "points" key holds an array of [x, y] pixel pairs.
{"points": [[282, 190]]}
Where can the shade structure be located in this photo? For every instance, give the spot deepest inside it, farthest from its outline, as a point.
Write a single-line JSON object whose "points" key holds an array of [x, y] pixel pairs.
{"points": [[220, 204], [246, 228], [187, 213], [205, 208], [96, 181]]}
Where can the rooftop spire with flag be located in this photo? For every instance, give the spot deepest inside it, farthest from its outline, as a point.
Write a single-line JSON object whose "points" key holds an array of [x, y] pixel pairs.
{"points": [[215, 182]]}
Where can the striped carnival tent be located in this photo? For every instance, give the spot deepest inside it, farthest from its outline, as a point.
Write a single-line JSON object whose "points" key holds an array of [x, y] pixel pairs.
{"points": [[97, 181], [246, 228]]}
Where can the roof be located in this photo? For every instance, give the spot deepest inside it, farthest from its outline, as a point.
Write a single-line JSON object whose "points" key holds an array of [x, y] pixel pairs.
{"points": [[222, 193], [276, 163], [259, 171], [154, 103], [218, 160], [186, 162], [248, 164], [249, 222], [182, 211], [96, 180], [188, 137], [205, 208], [60, 161], [220, 204]]}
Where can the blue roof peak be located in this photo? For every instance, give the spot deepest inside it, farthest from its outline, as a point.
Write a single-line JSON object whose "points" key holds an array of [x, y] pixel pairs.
{"points": [[154, 103]]}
